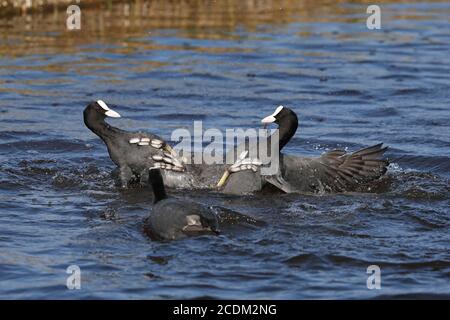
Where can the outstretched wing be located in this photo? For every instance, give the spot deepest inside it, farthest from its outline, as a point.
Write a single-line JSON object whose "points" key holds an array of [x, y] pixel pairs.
{"points": [[335, 170]]}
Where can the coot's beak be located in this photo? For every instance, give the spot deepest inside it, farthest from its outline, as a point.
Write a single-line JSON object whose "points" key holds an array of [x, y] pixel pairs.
{"points": [[108, 111], [271, 119], [268, 120], [112, 114]]}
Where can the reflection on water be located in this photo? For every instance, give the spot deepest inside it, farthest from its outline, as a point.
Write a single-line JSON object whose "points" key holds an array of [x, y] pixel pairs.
{"points": [[162, 64], [120, 21]]}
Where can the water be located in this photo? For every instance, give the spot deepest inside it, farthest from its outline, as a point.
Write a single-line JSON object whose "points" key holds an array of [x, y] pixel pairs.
{"points": [[227, 65]]}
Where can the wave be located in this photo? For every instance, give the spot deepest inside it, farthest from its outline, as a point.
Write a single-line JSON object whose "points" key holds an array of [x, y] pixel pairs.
{"points": [[312, 259]]}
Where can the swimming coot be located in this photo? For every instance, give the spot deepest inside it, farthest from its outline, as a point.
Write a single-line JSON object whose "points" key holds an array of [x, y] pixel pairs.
{"points": [[173, 218]]}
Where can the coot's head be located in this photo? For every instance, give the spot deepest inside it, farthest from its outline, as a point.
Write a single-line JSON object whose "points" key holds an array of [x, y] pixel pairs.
{"points": [[99, 109], [287, 124], [282, 116]]}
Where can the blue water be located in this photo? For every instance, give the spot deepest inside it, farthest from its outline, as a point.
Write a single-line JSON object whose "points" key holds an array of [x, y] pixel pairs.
{"points": [[351, 88]]}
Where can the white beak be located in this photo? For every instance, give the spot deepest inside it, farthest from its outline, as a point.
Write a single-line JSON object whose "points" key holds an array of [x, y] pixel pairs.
{"points": [[112, 114], [269, 119], [108, 111]]}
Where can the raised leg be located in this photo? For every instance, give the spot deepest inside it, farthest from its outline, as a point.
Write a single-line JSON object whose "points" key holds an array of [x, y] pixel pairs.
{"points": [[241, 164]]}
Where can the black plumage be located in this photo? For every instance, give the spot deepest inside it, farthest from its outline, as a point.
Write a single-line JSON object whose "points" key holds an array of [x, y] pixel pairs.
{"points": [[173, 218], [132, 152]]}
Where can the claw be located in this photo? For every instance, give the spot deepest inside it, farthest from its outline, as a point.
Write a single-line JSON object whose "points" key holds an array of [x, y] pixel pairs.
{"points": [[168, 160], [169, 149], [241, 164], [157, 141]]}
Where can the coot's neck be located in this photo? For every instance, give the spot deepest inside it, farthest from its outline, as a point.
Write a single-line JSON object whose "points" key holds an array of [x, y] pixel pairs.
{"points": [[97, 124], [156, 180], [287, 128]]}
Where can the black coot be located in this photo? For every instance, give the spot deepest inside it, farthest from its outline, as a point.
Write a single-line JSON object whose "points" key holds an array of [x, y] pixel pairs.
{"points": [[333, 171], [173, 218], [132, 152]]}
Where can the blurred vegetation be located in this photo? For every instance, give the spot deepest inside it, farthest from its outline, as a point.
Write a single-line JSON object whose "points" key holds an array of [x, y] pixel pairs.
{"points": [[32, 26], [177, 7]]}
